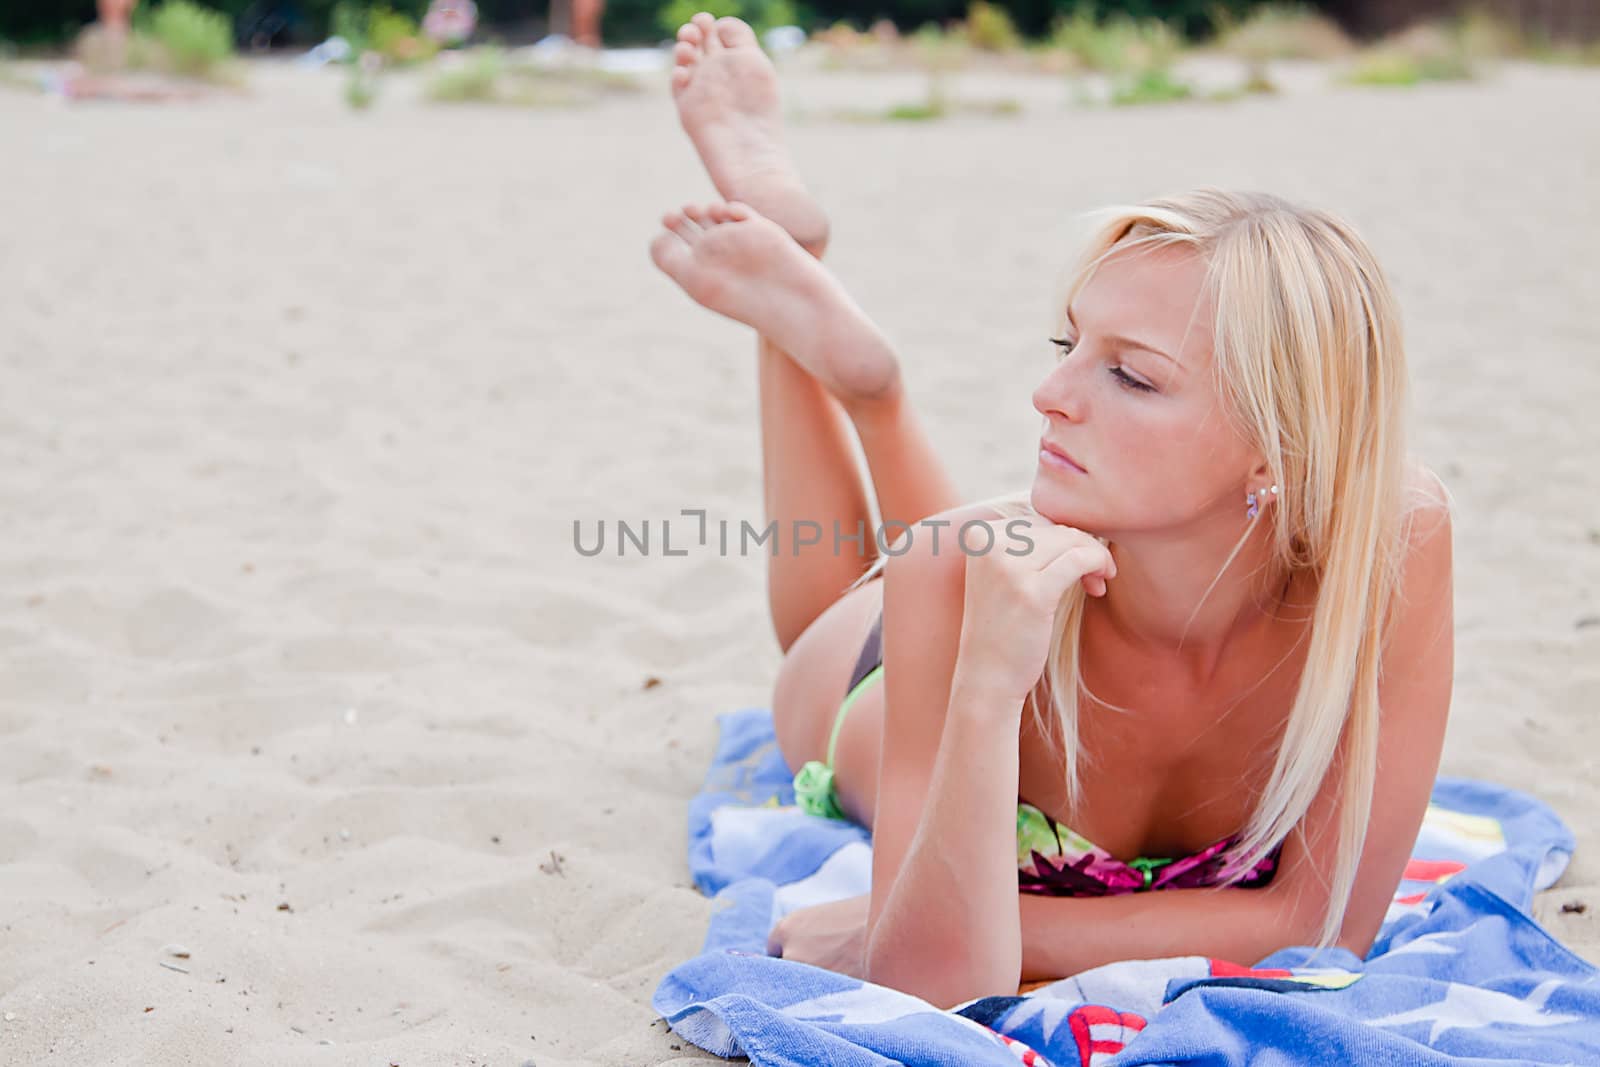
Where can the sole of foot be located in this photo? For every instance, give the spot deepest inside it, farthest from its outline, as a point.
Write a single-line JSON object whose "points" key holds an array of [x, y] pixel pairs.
{"points": [[735, 261], [726, 92]]}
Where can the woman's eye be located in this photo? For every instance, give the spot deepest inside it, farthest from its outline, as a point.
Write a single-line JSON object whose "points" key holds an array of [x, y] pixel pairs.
{"points": [[1064, 345], [1128, 381]]}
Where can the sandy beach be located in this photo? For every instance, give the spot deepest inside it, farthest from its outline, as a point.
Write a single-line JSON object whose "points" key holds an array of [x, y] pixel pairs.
{"points": [[320, 743]]}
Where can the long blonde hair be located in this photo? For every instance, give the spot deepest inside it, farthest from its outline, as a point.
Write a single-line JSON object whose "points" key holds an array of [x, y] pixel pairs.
{"points": [[1311, 367]]}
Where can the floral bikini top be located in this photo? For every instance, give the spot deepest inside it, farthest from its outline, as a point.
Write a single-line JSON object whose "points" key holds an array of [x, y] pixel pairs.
{"points": [[1055, 861], [1051, 859]]}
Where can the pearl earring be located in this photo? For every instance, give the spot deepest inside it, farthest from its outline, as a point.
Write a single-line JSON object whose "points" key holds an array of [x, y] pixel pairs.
{"points": [[1252, 505]]}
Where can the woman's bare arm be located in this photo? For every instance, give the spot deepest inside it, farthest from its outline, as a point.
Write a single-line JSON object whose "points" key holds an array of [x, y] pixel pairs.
{"points": [[916, 940], [948, 925], [950, 928]]}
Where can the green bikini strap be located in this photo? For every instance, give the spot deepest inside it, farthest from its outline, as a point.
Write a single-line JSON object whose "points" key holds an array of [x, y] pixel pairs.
{"points": [[1147, 867], [844, 709]]}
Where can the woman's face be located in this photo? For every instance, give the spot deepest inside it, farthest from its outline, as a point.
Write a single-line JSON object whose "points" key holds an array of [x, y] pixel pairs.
{"points": [[1133, 406]]}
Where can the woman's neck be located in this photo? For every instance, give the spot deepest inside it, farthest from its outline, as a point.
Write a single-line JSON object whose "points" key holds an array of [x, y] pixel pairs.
{"points": [[1168, 596]]}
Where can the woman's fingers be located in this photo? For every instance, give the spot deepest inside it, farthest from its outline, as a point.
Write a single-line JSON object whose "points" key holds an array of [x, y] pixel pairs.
{"points": [[1090, 564], [1054, 541], [1049, 539]]}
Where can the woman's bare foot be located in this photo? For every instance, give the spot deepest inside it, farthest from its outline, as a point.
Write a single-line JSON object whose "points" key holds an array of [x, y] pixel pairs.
{"points": [[742, 265], [726, 90]]}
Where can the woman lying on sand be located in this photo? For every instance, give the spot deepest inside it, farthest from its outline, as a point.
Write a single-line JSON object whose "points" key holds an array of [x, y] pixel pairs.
{"points": [[1233, 567]]}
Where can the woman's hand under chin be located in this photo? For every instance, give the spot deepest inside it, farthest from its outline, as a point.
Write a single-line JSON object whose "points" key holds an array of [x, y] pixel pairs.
{"points": [[1011, 601], [832, 936]]}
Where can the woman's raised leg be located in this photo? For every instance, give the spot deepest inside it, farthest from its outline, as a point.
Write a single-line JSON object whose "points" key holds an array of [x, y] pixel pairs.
{"points": [[809, 474], [726, 92], [744, 266]]}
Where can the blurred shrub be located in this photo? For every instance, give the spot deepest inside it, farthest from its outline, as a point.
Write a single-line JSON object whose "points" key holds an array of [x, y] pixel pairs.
{"points": [[475, 78], [916, 112], [349, 21], [392, 34], [489, 76], [1283, 31], [1075, 35], [990, 29], [937, 49], [195, 41], [762, 15], [1152, 86], [677, 12], [637, 21], [1384, 66], [938, 52], [296, 21], [1420, 54], [11, 76], [396, 37], [771, 13], [1118, 45], [361, 87], [881, 48], [101, 52], [316, 20], [1571, 53], [1137, 55], [1485, 36]]}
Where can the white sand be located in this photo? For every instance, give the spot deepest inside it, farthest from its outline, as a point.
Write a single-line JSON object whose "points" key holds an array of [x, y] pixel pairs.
{"points": [[298, 667]]}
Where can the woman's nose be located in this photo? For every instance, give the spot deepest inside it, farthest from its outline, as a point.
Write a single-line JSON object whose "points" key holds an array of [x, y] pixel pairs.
{"points": [[1060, 393]]}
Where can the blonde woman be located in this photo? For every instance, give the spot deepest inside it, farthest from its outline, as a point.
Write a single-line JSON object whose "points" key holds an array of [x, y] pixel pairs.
{"points": [[1187, 694]]}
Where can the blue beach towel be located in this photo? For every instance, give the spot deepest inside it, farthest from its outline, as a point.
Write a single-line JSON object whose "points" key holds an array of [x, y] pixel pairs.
{"points": [[1459, 974]]}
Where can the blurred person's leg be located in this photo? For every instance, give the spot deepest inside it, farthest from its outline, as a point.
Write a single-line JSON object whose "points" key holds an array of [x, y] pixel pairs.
{"points": [[586, 21]]}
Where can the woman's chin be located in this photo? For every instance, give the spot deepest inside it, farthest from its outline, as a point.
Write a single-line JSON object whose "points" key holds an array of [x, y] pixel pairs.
{"points": [[1051, 502]]}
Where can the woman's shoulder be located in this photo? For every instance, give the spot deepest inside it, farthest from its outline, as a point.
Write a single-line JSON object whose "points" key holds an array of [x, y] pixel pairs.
{"points": [[1426, 505], [1424, 576]]}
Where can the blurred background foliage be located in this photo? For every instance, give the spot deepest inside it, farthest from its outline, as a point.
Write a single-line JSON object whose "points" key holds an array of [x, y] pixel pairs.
{"points": [[991, 24], [38, 22], [635, 19]]}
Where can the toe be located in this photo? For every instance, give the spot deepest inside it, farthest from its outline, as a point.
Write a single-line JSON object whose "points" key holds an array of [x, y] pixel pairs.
{"points": [[684, 53], [699, 215], [708, 31], [669, 253], [735, 33], [689, 33], [738, 212], [680, 79], [685, 228], [718, 212]]}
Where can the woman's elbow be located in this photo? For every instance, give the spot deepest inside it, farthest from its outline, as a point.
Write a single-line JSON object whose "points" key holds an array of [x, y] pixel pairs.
{"points": [[944, 976], [1302, 919]]}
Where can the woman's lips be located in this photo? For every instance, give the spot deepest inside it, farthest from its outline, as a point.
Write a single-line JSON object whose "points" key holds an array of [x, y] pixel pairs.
{"points": [[1053, 456]]}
